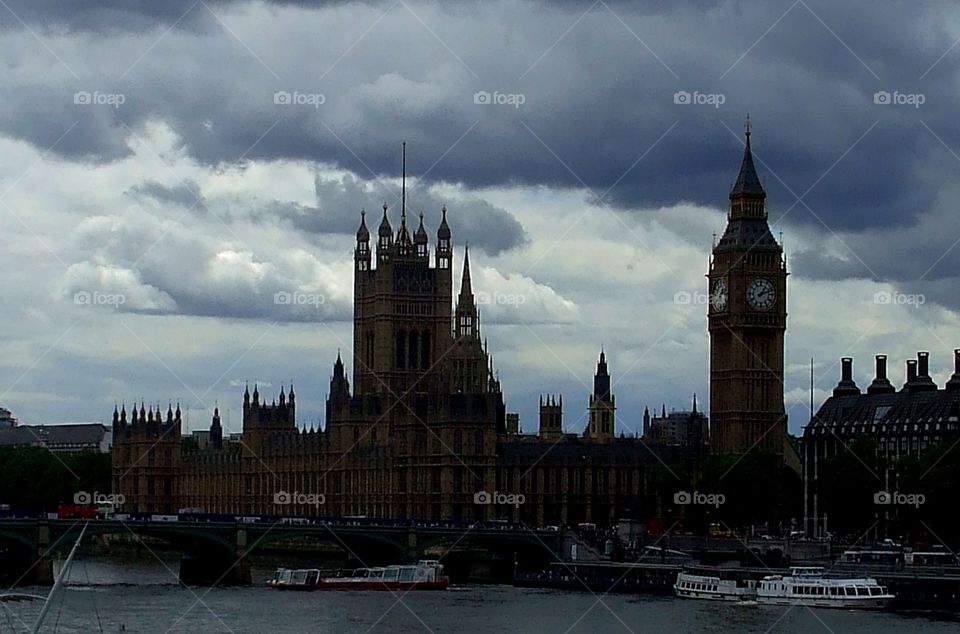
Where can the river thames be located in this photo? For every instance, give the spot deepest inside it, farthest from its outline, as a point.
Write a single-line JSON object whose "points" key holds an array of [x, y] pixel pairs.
{"points": [[118, 596]]}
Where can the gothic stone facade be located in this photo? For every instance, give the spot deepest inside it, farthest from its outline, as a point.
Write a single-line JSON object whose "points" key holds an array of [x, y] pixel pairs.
{"points": [[416, 434]]}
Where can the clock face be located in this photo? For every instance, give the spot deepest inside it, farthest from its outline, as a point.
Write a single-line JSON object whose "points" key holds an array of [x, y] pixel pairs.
{"points": [[718, 296], [761, 294]]}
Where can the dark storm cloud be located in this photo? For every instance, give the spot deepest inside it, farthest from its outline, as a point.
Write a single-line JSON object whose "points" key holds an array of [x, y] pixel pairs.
{"points": [[483, 225], [123, 15], [598, 103]]}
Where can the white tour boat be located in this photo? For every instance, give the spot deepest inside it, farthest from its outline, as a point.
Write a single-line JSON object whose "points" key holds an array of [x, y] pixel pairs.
{"points": [[809, 587], [715, 586]]}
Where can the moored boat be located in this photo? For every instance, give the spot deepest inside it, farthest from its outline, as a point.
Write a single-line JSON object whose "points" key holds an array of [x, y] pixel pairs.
{"points": [[427, 574], [810, 587], [715, 585]]}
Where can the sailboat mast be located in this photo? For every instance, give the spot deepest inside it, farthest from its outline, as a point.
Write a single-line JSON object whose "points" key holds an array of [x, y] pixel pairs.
{"points": [[59, 581]]}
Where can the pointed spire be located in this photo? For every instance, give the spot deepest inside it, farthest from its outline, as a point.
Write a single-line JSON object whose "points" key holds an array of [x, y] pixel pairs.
{"points": [[403, 234], [443, 232], [403, 184], [466, 287], [385, 231], [694, 402], [363, 234], [421, 236], [663, 411], [748, 183]]}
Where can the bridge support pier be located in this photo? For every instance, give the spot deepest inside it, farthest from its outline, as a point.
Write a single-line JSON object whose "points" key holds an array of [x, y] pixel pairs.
{"points": [[412, 551], [38, 572]]}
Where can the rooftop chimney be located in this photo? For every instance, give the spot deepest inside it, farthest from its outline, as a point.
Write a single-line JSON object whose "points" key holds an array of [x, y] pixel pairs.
{"points": [[954, 382], [846, 386], [911, 375], [924, 382], [881, 384]]}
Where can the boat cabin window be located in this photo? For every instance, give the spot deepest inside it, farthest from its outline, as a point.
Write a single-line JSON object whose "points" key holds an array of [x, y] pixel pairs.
{"points": [[406, 574], [376, 574], [391, 575]]}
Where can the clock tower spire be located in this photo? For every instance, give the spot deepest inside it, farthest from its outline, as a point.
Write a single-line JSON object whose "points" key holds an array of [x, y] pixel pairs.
{"points": [[747, 316]]}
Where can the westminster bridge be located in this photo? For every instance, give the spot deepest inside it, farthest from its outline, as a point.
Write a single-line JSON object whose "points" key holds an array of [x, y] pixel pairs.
{"points": [[216, 553]]}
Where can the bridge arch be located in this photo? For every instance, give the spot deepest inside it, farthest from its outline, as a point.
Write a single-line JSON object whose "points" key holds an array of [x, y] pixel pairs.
{"points": [[493, 541], [368, 547]]}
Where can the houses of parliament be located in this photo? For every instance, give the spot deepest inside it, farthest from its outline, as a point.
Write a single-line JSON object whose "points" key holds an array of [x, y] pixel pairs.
{"points": [[421, 427]]}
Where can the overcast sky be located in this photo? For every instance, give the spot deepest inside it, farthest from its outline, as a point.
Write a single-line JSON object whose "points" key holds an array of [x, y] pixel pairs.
{"points": [[166, 169]]}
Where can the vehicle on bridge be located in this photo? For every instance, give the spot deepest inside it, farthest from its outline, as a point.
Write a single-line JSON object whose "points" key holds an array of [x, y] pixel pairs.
{"points": [[427, 574], [78, 512], [885, 557], [934, 556]]}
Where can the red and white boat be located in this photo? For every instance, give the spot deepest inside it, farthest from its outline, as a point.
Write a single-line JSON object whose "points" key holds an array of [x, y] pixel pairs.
{"points": [[427, 574]]}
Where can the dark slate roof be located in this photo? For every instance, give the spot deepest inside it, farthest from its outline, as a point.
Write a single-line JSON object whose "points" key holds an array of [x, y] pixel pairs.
{"points": [[53, 435], [894, 413], [748, 183], [748, 233]]}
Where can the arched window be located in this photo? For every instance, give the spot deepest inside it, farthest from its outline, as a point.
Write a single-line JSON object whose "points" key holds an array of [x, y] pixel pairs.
{"points": [[401, 349], [425, 349], [413, 350]]}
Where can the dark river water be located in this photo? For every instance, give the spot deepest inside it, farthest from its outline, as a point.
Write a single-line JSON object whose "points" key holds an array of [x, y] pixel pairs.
{"points": [[102, 596]]}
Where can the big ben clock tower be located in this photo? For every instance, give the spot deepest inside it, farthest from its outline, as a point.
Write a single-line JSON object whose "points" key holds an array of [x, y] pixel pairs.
{"points": [[748, 317]]}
